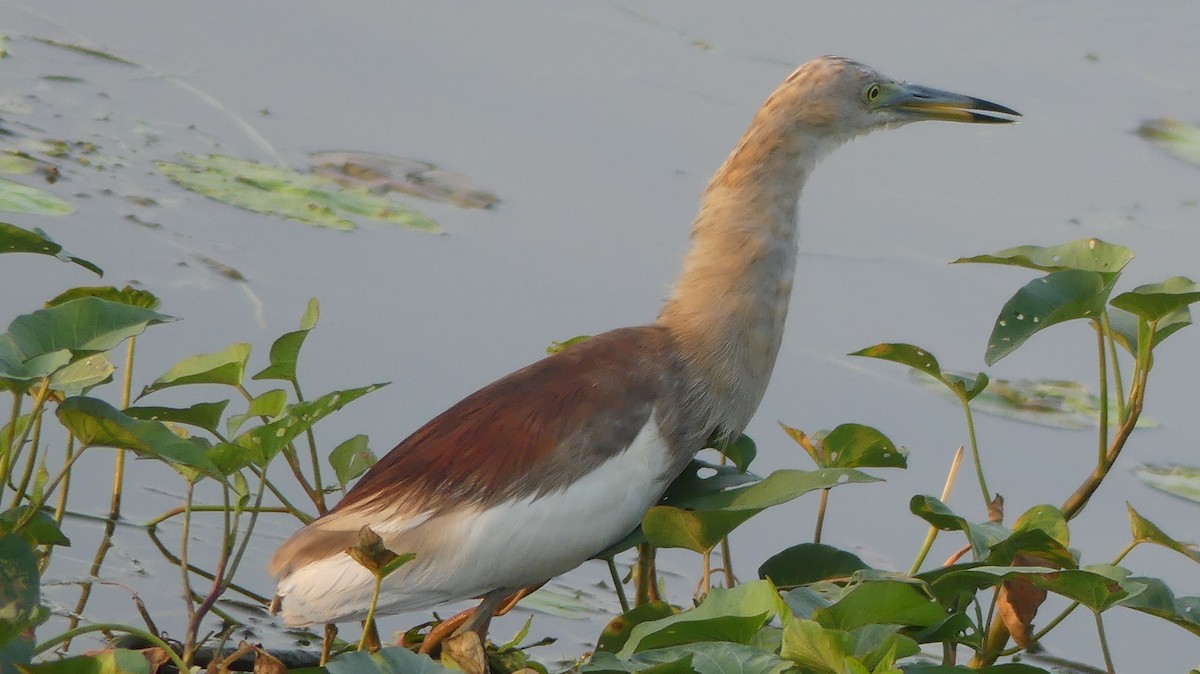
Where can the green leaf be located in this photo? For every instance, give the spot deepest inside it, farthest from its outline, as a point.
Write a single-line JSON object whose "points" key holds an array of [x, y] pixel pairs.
{"points": [[725, 615], [127, 295], [230, 458], [389, 660], [82, 375], [226, 367], [18, 198], [740, 451], [108, 661], [269, 405], [14, 239], [1124, 327], [1156, 301], [1097, 587], [816, 649], [616, 632], [20, 597], [1181, 481], [85, 325], [351, 459], [270, 438], [200, 415], [881, 602], [808, 563], [982, 536], [281, 191], [923, 361], [1057, 297], [285, 352], [96, 423], [41, 528], [1081, 255], [1145, 531], [18, 374], [859, 446], [714, 657], [1158, 600], [713, 516], [1045, 518], [1180, 139]]}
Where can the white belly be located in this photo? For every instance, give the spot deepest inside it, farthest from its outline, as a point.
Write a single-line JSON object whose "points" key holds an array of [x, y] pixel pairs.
{"points": [[514, 544]]}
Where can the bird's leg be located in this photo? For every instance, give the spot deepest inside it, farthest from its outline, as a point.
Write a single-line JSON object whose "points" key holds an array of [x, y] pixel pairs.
{"points": [[495, 603]]}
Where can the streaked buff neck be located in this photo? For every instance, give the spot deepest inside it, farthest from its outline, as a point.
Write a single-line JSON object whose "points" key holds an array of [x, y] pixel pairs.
{"points": [[729, 305]]}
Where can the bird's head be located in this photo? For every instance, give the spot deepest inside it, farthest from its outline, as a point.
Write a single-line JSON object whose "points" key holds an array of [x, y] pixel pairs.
{"points": [[839, 98]]}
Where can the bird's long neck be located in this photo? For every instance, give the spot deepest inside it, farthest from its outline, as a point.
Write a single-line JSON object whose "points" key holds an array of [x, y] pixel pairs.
{"points": [[729, 305]]}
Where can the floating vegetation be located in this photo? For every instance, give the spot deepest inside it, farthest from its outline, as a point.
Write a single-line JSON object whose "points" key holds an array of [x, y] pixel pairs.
{"points": [[281, 191], [1181, 481], [1181, 139], [1057, 403], [382, 173], [19, 198]]}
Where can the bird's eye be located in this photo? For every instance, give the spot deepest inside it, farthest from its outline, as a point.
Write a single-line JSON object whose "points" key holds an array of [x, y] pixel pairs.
{"points": [[872, 93]]}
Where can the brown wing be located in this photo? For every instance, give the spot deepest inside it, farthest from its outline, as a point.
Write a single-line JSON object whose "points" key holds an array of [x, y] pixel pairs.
{"points": [[518, 435]]}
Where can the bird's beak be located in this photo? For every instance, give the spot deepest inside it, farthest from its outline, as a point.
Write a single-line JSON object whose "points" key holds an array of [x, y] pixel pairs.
{"points": [[918, 103]]}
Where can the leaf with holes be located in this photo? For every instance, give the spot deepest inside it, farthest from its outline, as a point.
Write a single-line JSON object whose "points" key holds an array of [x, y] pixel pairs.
{"points": [[96, 423], [921, 360], [1057, 297], [270, 438], [1158, 600], [267, 405], [351, 459], [14, 239], [1081, 254]]}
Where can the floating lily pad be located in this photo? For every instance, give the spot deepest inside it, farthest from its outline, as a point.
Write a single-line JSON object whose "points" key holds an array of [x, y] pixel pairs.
{"points": [[1181, 481], [382, 173], [1056, 403], [18, 198], [1181, 139], [281, 191]]}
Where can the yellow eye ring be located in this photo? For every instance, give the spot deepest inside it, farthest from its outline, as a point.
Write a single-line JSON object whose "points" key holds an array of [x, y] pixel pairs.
{"points": [[872, 93]]}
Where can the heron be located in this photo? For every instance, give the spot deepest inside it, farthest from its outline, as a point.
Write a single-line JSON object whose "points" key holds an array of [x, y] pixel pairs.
{"points": [[541, 470]]}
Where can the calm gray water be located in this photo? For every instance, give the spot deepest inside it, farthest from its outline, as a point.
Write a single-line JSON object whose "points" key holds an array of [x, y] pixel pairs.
{"points": [[598, 124]]}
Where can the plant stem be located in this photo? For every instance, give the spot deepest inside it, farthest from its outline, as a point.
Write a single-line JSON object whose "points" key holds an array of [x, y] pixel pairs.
{"points": [[38, 401], [1103, 449], [189, 643], [369, 623], [114, 507], [1108, 663], [1128, 548], [931, 535], [824, 503], [178, 510], [7, 454], [113, 627], [987, 495], [61, 509], [617, 584], [30, 462], [312, 454], [1116, 364], [727, 563]]}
